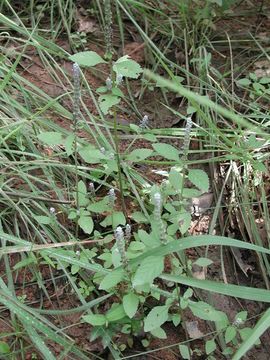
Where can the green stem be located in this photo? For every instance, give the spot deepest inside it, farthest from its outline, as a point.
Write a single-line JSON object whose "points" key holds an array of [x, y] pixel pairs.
{"points": [[76, 185]]}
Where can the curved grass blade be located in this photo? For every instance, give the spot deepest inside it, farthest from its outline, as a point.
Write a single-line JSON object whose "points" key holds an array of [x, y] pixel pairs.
{"points": [[242, 292]]}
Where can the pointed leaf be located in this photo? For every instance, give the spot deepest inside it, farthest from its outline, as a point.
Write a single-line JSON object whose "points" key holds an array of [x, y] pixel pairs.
{"points": [[86, 223], [199, 178], [157, 316], [50, 137], [95, 319], [87, 58], [149, 269], [111, 280], [130, 303], [167, 151], [127, 67], [107, 101]]}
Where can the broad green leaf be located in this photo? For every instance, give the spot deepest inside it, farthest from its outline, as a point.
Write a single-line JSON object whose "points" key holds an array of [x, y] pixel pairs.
{"points": [[99, 206], [199, 178], [91, 154], [117, 92], [149, 240], [202, 261], [68, 143], [167, 151], [190, 193], [4, 348], [107, 101], [95, 319], [176, 179], [157, 316], [159, 333], [50, 138], [184, 351], [136, 246], [139, 217], [139, 154], [230, 334], [127, 67], [205, 311], [149, 269], [241, 315], [86, 223], [82, 188], [116, 313], [210, 346], [111, 280], [115, 219], [130, 303], [176, 319], [87, 58], [184, 220]]}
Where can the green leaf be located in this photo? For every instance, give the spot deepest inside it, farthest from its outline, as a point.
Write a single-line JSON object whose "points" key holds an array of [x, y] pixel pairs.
{"points": [[4, 348], [139, 217], [116, 313], [91, 154], [230, 334], [176, 179], [148, 270], [205, 311], [68, 144], [136, 246], [50, 138], [130, 303], [86, 223], [117, 218], [148, 239], [95, 319], [157, 316], [190, 193], [127, 67], [199, 178], [184, 352], [241, 315], [167, 151], [202, 261], [176, 319], [210, 346], [99, 206], [111, 280], [139, 154], [159, 333], [82, 188], [107, 101], [184, 220], [87, 58]]}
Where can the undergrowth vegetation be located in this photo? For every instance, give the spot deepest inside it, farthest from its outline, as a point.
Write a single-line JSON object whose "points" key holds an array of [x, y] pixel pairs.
{"points": [[98, 214]]}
